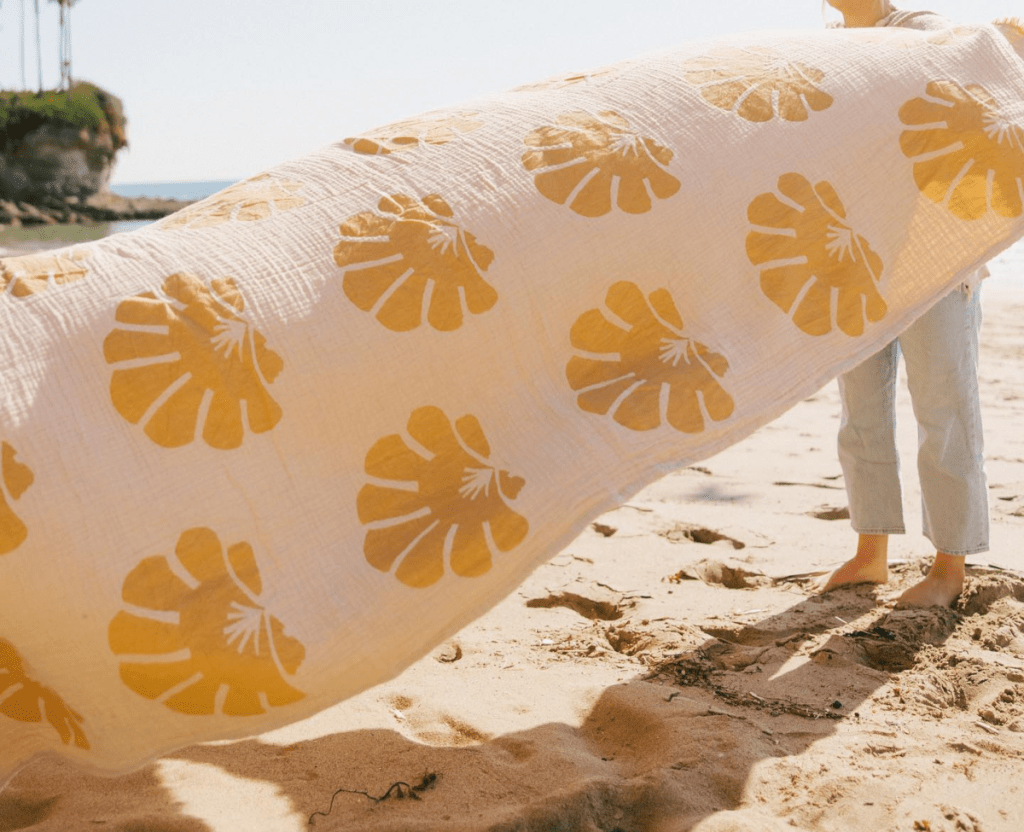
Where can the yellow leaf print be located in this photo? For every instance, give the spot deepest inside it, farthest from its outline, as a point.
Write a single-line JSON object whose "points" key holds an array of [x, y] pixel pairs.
{"points": [[197, 638], [413, 133], [654, 371], [589, 161], [561, 81], [25, 700], [413, 261], [248, 201], [812, 256], [444, 503], [34, 273], [15, 478], [758, 84], [968, 150], [909, 38], [188, 357], [950, 36]]}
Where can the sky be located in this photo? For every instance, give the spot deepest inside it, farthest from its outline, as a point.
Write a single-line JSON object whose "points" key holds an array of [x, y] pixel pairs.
{"points": [[223, 89]]}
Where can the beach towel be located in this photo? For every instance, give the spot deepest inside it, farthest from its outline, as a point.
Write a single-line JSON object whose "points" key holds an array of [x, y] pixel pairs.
{"points": [[267, 452]]}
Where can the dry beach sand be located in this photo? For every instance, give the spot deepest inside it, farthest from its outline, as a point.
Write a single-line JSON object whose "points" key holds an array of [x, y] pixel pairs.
{"points": [[673, 669]]}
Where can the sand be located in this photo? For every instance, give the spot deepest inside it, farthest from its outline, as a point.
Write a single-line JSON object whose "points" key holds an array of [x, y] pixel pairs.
{"points": [[673, 669]]}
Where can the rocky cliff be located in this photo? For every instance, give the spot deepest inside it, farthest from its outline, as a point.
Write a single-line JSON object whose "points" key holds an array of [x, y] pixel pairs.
{"points": [[59, 144], [56, 160], [57, 154]]}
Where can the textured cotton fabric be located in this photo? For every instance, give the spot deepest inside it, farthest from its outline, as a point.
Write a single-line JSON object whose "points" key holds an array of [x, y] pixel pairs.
{"points": [[267, 452]]}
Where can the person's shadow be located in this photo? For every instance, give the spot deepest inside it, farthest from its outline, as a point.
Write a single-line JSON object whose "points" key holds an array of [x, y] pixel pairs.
{"points": [[664, 750]]}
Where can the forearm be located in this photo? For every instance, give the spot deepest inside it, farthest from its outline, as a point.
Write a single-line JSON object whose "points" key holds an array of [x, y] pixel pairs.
{"points": [[861, 13]]}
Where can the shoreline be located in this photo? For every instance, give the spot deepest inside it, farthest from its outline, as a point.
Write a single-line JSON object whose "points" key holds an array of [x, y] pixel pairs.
{"points": [[102, 207]]}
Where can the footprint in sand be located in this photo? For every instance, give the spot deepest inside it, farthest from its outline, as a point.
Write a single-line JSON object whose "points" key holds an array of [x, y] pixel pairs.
{"points": [[1013, 511], [628, 641], [432, 727], [831, 513], [718, 573], [698, 534], [587, 607], [986, 589], [448, 653]]}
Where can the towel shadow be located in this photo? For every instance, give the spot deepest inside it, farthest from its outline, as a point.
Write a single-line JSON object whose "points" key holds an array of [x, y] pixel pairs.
{"points": [[664, 750], [52, 795]]}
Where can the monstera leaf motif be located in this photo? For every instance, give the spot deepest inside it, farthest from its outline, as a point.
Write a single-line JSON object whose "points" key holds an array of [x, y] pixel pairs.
{"points": [[758, 84], [961, 138], [413, 133], [15, 478], [590, 77], [809, 253], [413, 260], [590, 161], [439, 502], [25, 700], [908, 39], [187, 358], [30, 274], [248, 201], [198, 638], [654, 372]]}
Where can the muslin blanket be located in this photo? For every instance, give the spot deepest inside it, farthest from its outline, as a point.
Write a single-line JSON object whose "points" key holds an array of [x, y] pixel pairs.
{"points": [[267, 452]]}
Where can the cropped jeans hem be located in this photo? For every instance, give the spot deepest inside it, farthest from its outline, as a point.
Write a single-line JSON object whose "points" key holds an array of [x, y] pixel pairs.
{"points": [[899, 530], [977, 550], [940, 350]]}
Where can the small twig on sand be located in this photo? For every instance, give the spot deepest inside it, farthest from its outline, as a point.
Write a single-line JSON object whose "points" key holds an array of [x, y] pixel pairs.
{"points": [[399, 790]]}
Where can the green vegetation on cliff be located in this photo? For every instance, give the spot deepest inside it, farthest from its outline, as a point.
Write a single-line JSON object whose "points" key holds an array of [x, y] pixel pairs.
{"points": [[83, 106]]}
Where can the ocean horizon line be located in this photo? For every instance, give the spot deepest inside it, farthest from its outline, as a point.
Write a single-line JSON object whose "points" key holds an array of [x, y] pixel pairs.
{"points": [[178, 189]]}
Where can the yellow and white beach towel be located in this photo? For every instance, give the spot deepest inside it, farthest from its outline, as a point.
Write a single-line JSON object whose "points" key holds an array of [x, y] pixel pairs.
{"points": [[269, 451]]}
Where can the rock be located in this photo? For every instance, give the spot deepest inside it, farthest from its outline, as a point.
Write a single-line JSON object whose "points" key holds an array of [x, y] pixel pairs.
{"points": [[30, 214], [106, 205], [55, 160], [9, 211], [100, 207]]}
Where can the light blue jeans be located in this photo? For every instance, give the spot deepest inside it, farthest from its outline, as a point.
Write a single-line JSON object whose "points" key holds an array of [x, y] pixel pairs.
{"points": [[941, 354]]}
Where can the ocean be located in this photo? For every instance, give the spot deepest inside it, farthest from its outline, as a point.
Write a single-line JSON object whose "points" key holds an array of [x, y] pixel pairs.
{"points": [[1007, 269], [37, 238], [173, 190]]}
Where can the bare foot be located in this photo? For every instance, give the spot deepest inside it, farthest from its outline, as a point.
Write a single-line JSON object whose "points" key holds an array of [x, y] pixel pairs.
{"points": [[868, 566], [940, 587]]}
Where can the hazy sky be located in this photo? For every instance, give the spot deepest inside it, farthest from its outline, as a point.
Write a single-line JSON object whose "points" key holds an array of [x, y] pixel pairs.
{"points": [[221, 89]]}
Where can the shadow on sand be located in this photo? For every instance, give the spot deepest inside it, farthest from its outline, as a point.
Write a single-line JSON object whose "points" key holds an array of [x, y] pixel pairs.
{"points": [[664, 751]]}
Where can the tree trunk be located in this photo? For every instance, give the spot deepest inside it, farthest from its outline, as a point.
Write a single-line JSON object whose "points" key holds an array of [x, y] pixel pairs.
{"points": [[39, 49], [65, 56], [24, 80]]}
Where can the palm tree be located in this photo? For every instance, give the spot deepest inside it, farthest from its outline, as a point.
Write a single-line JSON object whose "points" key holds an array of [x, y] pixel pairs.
{"points": [[24, 82], [65, 41], [39, 49]]}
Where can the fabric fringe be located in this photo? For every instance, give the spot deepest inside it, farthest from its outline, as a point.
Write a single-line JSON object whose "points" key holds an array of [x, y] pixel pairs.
{"points": [[1012, 23]]}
